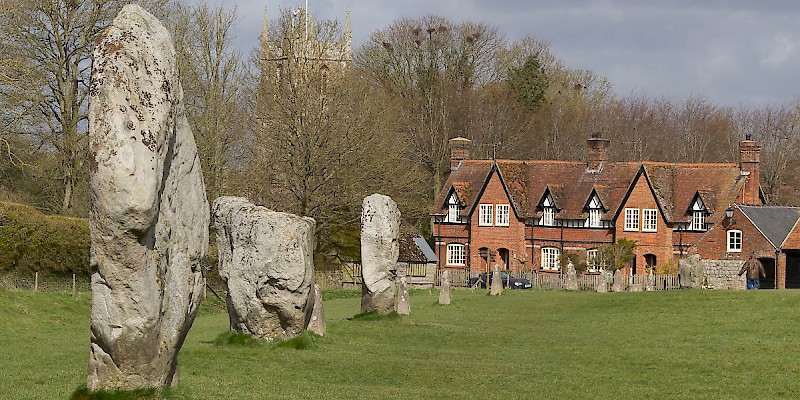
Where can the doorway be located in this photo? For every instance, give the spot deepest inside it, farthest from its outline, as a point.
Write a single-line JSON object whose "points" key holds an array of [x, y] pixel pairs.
{"points": [[769, 269], [504, 257], [793, 269]]}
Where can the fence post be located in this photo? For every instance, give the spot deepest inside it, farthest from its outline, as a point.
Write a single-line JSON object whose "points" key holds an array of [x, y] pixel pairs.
{"points": [[74, 289], [36, 282]]}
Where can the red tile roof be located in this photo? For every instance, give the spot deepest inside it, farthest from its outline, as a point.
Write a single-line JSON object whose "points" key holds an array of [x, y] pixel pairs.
{"points": [[674, 184]]}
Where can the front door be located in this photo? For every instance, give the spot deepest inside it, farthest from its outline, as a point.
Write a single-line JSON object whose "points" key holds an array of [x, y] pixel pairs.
{"points": [[769, 269]]}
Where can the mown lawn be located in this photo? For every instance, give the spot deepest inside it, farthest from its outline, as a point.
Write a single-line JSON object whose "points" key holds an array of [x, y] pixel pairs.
{"points": [[531, 344]]}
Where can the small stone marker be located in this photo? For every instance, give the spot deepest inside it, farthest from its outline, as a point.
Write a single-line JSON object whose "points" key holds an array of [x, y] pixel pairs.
{"points": [[403, 302], [266, 263], [148, 210], [651, 282], [571, 282], [317, 322], [445, 291], [636, 287], [497, 282], [380, 231]]}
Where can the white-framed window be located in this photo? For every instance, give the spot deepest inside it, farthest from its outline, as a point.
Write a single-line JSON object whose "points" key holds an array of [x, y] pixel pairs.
{"points": [[734, 241], [456, 254], [594, 218], [549, 216], [698, 220], [649, 220], [485, 218], [632, 219], [502, 214], [452, 214], [592, 260], [550, 256]]}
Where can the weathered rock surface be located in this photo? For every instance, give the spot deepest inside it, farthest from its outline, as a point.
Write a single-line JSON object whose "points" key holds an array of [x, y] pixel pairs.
{"points": [[403, 302], [571, 282], [148, 210], [317, 322], [445, 290], [620, 282], [651, 282], [603, 283], [690, 272], [636, 287], [266, 262], [380, 231], [496, 283]]}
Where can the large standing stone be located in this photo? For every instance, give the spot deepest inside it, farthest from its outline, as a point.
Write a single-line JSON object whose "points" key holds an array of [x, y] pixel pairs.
{"points": [[571, 282], [148, 211], [690, 272], [403, 302], [380, 230], [266, 263], [603, 282], [496, 282], [445, 291], [620, 282], [317, 322]]}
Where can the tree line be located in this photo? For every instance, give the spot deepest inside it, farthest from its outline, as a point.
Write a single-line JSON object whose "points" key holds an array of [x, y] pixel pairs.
{"points": [[297, 137]]}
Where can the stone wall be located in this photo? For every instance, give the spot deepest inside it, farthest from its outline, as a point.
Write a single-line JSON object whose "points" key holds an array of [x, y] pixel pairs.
{"points": [[724, 274]]}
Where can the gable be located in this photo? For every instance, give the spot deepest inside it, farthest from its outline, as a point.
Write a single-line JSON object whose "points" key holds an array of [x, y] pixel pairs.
{"points": [[775, 223], [494, 191]]}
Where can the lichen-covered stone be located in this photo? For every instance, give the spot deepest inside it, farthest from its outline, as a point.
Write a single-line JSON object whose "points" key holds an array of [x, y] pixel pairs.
{"points": [[445, 290], [571, 281], [403, 301], [620, 282], [148, 210], [496, 284], [380, 231], [316, 323], [266, 263]]}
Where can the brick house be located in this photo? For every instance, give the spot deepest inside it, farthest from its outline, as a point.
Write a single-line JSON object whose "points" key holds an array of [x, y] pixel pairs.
{"points": [[522, 215], [770, 233]]}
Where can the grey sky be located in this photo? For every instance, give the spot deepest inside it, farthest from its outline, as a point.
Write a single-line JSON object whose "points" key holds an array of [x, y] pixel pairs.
{"points": [[731, 52]]}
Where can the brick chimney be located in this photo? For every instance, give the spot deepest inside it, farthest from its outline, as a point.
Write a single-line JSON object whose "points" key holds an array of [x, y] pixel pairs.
{"points": [[597, 153], [750, 167], [459, 150]]}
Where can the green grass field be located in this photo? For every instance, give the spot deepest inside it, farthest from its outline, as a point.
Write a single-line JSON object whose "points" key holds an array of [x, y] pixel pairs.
{"points": [[526, 344]]}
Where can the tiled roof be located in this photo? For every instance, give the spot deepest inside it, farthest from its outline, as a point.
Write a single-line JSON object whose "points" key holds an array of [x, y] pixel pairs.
{"points": [[674, 184], [774, 222]]}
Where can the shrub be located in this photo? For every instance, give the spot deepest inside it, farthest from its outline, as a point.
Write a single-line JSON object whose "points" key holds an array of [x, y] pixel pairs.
{"points": [[31, 241]]}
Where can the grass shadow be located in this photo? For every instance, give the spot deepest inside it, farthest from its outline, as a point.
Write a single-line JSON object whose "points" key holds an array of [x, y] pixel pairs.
{"points": [[238, 339], [306, 341], [83, 393], [375, 316]]}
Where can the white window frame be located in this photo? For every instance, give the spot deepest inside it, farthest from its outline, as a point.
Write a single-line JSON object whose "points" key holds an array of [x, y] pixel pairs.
{"points": [[594, 218], [550, 258], [456, 254], [502, 214], [548, 216], [698, 220], [631, 220], [734, 241], [593, 260], [452, 213], [649, 220], [486, 216]]}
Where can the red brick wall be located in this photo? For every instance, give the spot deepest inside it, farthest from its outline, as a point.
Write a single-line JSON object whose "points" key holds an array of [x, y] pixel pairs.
{"points": [[575, 240], [511, 237], [658, 243], [714, 244]]}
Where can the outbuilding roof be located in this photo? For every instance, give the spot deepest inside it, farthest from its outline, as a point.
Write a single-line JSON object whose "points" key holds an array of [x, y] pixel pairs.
{"points": [[774, 222]]}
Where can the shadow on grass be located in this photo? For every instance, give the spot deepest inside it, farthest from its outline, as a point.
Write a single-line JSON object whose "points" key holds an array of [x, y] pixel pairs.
{"points": [[375, 316], [139, 394]]}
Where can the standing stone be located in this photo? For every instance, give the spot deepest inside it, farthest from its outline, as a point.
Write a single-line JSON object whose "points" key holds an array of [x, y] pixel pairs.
{"points": [[651, 282], [619, 284], [267, 266], [317, 322], [403, 302], [445, 291], [380, 231], [690, 271], [603, 282], [497, 282], [571, 282], [148, 210], [636, 287]]}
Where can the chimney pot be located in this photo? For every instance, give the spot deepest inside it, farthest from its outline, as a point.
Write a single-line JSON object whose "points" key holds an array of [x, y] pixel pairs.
{"points": [[750, 167], [459, 151]]}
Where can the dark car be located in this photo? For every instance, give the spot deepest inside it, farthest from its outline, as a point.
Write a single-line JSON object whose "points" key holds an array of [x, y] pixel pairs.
{"points": [[508, 281]]}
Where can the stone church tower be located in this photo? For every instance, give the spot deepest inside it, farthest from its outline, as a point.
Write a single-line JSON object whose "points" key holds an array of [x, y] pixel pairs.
{"points": [[295, 41]]}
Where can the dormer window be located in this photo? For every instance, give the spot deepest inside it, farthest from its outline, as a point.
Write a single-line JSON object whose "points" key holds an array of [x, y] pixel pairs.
{"points": [[699, 213], [595, 213], [548, 212], [454, 209]]}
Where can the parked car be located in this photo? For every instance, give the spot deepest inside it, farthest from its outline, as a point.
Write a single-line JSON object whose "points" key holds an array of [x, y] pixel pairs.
{"points": [[513, 283]]}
